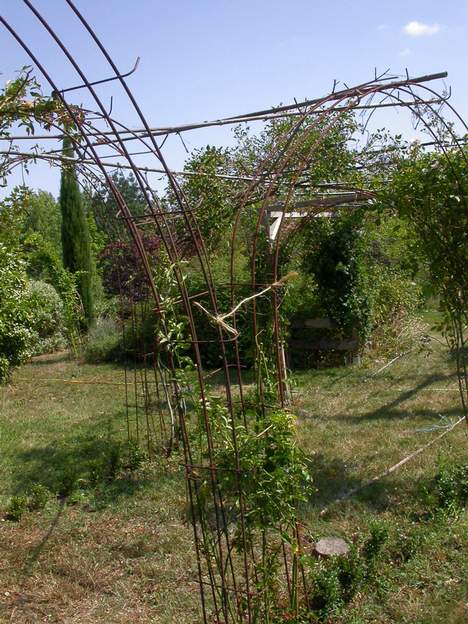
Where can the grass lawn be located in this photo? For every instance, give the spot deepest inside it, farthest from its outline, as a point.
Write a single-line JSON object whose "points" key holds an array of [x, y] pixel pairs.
{"points": [[121, 552]]}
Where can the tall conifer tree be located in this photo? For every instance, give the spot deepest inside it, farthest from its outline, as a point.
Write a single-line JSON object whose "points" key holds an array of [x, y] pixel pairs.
{"points": [[75, 234]]}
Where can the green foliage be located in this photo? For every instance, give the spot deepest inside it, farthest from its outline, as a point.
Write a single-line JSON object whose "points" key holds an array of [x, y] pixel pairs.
{"points": [[130, 333], [38, 495], [430, 192], [75, 236], [22, 104], [336, 581], [360, 279], [24, 213], [35, 499], [394, 301], [67, 480], [211, 197], [44, 264], [17, 507], [327, 594], [104, 209], [335, 263], [448, 490], [113, 461], [114, 457], [30, 226], [391, 275], [13, 217], [211, 353], [329, 144], [43, 217], [270, 471], [104, 342], [33, 318], [375, 542], [134, 457], [16, 337], [46, 317], [96, 236]]}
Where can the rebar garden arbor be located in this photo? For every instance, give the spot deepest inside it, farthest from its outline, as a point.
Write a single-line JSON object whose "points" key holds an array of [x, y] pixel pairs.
{"points": [[248, 561]]}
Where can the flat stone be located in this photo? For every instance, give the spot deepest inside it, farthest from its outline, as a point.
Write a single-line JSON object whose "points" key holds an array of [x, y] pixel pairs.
{"points": [[331, 547]]}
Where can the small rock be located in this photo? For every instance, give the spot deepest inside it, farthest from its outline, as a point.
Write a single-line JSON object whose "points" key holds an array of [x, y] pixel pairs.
{"points": [[331, 547]]}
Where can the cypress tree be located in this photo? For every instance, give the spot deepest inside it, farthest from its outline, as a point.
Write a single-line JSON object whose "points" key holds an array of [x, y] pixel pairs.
{"points": [[75, 234]]}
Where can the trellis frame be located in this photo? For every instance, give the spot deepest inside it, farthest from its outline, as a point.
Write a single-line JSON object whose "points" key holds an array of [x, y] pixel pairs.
{"points": [[227, 584]]}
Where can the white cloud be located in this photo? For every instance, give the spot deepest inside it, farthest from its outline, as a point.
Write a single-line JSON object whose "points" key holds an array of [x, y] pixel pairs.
{"points": [[382, 27], [405, 52], [419, 29]]}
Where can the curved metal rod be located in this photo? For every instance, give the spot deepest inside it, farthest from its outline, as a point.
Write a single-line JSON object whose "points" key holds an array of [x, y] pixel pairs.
{"points": [[98, 82]]}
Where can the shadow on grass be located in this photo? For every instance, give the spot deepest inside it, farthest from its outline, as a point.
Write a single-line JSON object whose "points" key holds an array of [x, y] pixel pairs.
{"points": [[89, 461], [460, 354], [393, 410], [333, 479], [37, 550]]}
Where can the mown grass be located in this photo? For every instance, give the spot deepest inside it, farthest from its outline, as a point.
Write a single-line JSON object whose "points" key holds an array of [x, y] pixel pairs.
{"points": [[121, 549], [354, 427]]}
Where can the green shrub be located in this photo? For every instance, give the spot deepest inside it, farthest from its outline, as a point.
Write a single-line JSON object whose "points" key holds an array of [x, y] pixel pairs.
{"points": [[17, 507], [351, 573], [451, 486], [448, 490], [373, 546], [16, 336], [359, 279], [406, 545], [326, 595], [104, 342], [107, 342], [394, 300], [113, 461], [336, 581], [37, 496], [67, 481], [44, 264], [135, 456], [47, 317], [107, 465]]}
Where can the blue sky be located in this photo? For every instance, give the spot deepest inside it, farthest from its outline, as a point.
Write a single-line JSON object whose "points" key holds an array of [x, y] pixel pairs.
{"points": [[208, 58]]}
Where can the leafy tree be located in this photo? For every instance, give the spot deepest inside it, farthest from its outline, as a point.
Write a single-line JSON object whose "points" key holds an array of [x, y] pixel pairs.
{"points": [[122, 269], [13, 217], [75, 235], [210, 197], [106, 211], [43, 216], [24, 212], [430, 192], [335, 263], [322, 150]]}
